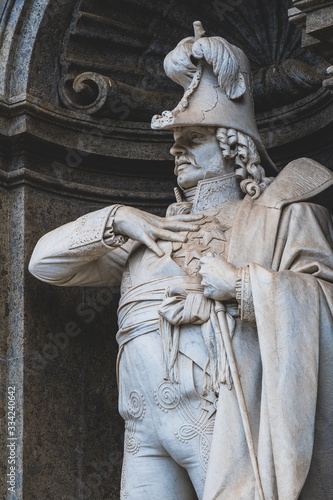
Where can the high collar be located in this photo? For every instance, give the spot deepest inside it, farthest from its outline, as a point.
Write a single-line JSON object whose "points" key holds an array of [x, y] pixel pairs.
{"points": [[213, 192], [190, 194]]}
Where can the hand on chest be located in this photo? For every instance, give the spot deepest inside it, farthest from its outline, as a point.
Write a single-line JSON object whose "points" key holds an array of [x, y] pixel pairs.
{"points": [[213, 236], [184, 258]]}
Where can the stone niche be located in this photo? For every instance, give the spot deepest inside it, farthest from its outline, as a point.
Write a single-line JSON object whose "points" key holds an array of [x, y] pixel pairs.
{"points": [[79, 82]]}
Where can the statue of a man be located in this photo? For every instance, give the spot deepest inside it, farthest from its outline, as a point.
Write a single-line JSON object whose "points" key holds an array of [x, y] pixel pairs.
{"points": [[224, 318]]}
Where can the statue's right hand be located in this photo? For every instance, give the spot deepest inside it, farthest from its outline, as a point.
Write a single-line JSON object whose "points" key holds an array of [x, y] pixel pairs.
{"points": [[148, 228]]}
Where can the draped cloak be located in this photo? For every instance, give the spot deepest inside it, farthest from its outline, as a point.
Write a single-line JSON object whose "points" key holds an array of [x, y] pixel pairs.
{"points": [[286, 373], [288, 247]]}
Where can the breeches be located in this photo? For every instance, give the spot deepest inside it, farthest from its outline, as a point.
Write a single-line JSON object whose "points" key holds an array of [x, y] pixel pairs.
{"points": [[168, 426]]}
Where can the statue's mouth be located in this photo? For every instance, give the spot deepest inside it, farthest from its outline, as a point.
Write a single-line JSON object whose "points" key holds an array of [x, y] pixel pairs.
{"points": [[182, 166]]}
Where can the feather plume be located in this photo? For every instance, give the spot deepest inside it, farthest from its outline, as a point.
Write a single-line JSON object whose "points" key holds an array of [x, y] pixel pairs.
{"points": [[178, 64], [217, 52]]}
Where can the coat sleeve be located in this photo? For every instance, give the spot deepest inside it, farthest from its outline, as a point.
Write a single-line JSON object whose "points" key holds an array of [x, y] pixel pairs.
{"points": [[76, 254]]}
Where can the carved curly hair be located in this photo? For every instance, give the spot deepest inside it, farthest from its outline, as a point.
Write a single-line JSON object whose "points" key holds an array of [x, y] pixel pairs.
{"points": [[240, 147]]}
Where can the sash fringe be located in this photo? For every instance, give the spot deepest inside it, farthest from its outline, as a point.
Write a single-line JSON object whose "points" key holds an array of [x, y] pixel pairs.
{"points": [[181, 307]]}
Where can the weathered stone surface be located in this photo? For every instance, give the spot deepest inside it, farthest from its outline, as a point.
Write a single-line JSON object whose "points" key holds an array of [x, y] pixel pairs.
{"points": [[75, 436], [316, 21], [57, 163]]}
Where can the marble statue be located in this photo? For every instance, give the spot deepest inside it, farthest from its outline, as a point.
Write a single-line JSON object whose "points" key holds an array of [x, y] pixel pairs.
{"points": [[225, 324]]}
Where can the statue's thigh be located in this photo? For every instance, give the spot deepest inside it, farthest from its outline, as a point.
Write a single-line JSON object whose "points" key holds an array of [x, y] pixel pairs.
{"points": [[146, 477], [166, 424], [187, 420]]}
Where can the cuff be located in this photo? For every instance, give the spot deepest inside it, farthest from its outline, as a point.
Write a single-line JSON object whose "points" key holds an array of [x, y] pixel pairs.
{"points": [[89, 229], [244, 294], [95, 229], [110, 238]]}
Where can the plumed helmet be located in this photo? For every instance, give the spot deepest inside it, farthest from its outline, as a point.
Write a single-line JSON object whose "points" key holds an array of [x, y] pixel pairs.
{"points": [[216, 77]]}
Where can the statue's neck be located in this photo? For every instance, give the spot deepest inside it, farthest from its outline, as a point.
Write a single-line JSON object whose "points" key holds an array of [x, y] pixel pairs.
{"points": [[213, 192]]}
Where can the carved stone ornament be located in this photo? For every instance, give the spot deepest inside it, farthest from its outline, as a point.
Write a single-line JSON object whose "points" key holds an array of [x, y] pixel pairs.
{"points": [[225, 315], [316, 22], [128, 42], [315, 18], [87, 92]]}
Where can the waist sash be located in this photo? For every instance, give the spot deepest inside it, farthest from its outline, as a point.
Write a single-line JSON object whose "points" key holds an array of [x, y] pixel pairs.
{"points": [[165, 305], [138, 308]]}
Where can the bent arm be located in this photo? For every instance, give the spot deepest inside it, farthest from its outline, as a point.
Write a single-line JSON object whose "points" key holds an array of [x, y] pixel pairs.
{"points": [[76, 254]]}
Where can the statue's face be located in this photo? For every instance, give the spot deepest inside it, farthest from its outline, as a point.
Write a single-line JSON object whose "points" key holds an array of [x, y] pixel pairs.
{"points": [[197, 155]]}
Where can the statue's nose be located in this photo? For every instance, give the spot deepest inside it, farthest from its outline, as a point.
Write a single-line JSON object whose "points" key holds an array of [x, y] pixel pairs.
{"points": [[178, 149]]}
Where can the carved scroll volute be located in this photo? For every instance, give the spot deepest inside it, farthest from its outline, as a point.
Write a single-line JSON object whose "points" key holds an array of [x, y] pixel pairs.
{"points": [[86, 92]]}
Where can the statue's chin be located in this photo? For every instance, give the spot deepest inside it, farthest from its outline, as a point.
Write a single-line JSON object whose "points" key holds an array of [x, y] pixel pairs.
{"points": [[187, 183], [186, 187]]}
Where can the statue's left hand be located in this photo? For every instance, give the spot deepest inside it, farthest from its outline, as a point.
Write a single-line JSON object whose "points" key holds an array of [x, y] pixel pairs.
{"points": [[218, 277]]}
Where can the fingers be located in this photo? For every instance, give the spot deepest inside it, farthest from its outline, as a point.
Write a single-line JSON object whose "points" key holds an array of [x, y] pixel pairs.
{"points": [[206, 279], [204, 282], [181, 222], [206, 263], [152, 245], [207, 270], [180, 226], [153, 234], [164, 234], [185, 217], [185, 222]]}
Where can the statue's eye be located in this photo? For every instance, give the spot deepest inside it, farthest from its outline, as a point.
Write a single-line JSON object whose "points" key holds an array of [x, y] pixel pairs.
{"points": [[195, 135]]}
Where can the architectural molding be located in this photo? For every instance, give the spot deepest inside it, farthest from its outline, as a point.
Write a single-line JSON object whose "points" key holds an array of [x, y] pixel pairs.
{"points": [[77, 191], [315, 19]]}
